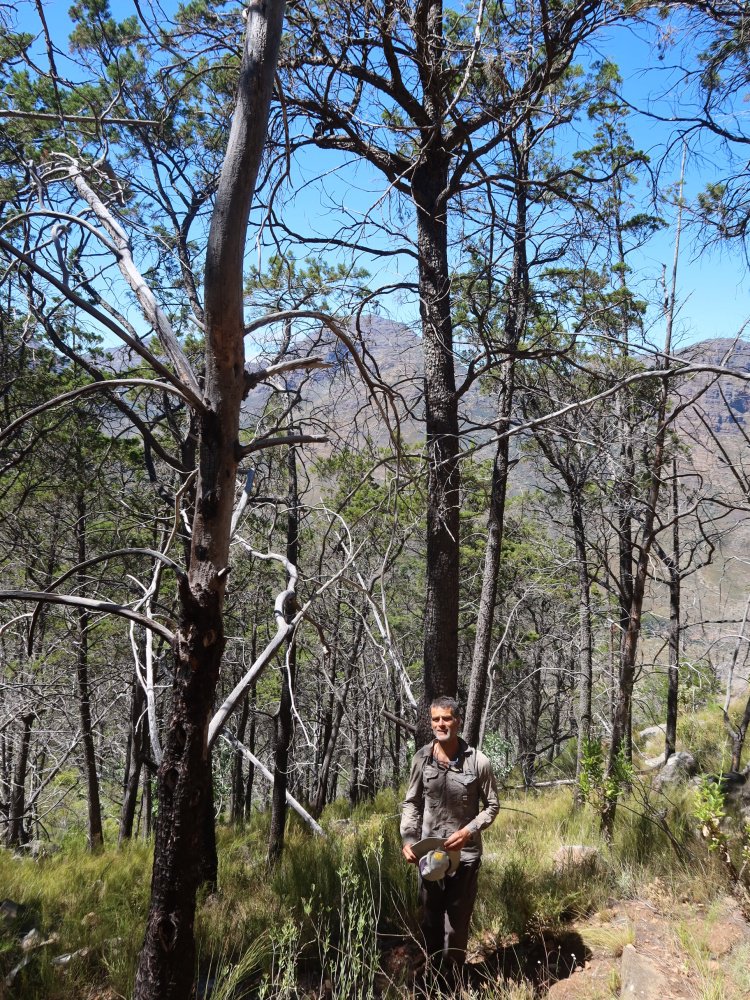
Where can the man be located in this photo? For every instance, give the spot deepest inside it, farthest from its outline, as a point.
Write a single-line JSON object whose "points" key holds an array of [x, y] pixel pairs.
{"points": [[452, 795]]}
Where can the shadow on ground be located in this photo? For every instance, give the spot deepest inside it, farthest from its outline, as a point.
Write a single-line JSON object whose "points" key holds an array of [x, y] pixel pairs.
{"points": [[540, 959]]}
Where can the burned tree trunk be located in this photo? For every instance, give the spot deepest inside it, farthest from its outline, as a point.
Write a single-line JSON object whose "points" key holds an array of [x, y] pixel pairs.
{"points": [[17, 799], [166, 965], [95, 832], [284, 731], [137, 752]]}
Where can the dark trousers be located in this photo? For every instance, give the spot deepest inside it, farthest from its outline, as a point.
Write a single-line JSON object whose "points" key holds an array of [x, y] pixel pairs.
{"points": [[447, 906]]}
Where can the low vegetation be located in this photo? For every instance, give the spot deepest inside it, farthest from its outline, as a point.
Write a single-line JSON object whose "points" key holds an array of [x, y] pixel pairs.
{"points": [[336, 916]]}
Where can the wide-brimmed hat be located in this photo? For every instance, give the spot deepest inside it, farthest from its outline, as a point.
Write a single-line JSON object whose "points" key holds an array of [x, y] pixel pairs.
{"points": [[434, 861]]}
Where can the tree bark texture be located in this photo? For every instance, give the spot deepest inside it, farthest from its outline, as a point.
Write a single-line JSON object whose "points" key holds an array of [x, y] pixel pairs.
{"points": [[95, 829], [167, 959], [429, 189], [670, 738], [17, 799], [284, 729], [138, 746]]}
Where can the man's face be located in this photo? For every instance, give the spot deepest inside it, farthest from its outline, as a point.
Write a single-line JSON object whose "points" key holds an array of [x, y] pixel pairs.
{"points": [[444, 724]]}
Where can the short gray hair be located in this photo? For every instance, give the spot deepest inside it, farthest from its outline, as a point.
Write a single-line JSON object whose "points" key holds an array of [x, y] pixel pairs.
{"points": [[444, 701]]}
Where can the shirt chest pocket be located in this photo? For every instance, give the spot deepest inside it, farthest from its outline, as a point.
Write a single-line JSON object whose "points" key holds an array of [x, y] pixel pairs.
{"points": [[431, 776], [464, 790]]}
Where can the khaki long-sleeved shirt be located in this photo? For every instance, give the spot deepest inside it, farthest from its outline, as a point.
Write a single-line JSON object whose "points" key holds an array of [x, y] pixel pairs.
{"points": [[444, 798]]}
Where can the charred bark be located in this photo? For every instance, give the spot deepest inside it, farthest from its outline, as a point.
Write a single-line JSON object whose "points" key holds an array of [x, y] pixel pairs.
{"points": [[17, 799], [167, 959], [137, 752], [429, 189], [95, 829], [284, 729]]}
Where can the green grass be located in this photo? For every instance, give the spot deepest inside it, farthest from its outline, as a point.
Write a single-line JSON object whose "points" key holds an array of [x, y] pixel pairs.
{"points": [[300, 917], [98, 902]]}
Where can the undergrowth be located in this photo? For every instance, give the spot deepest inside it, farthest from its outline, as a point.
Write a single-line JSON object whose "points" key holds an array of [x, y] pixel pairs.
{"points": [[319, 918]]}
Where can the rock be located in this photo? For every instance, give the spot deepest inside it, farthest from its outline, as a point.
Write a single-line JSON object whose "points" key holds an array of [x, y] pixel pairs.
{"points": [[651, 763], [90, 919], [575, 856], [639, 977], [678, 769], [10, 978], [31, 940], [38, 849], [65, 960], [650, 732], [10, 910]]}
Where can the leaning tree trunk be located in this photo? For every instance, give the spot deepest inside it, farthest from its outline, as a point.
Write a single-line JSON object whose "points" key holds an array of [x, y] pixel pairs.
{"points": [[167, 959], [138, 746], [237, 809]]}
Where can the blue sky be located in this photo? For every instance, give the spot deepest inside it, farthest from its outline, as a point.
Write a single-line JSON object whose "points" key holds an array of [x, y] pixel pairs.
{"points": [[712, 284]]}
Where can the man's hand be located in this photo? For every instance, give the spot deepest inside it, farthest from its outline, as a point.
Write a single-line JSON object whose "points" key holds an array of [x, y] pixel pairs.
{"points": [[409, 854], [458, 839]]}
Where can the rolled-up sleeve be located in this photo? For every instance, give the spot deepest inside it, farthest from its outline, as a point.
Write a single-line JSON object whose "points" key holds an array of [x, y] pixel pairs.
{"points": [[412, 809], [488, 786]]}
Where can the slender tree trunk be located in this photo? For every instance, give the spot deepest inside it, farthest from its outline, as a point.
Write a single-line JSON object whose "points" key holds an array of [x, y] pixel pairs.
{"points": [[138, 743], [515, 322], [209, 868], [284, 730], [475, 703], [250, 744], [147, 806], [238, 777], [429, 190], [331, 738], [670, 743], [585, 640], [17, 798], [96, 832]]}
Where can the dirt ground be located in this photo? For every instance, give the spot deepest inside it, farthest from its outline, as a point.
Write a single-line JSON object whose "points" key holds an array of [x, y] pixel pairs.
{"points": [[680, 950], [688, 951]]}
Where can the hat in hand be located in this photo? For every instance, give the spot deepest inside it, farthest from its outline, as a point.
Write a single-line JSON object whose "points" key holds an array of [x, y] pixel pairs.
{"points": [[434, 861]]}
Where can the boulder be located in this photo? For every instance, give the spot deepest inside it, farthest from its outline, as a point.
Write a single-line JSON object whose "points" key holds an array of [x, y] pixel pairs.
{"points": [[680, 767], [639, 977], [571, 856], [651, 732], [10, 910], [31, 940]]}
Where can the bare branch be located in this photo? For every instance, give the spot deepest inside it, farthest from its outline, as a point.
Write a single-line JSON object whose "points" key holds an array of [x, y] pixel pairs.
{"points": [[44, 116], [151, 310], [272, 442], [235, 743], [152, 553], [85, 390], [78, 300], [105, 607]]}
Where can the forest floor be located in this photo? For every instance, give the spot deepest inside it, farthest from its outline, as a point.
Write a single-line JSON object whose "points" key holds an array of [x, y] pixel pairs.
{"points": [[676, 950], [652, 948]]}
